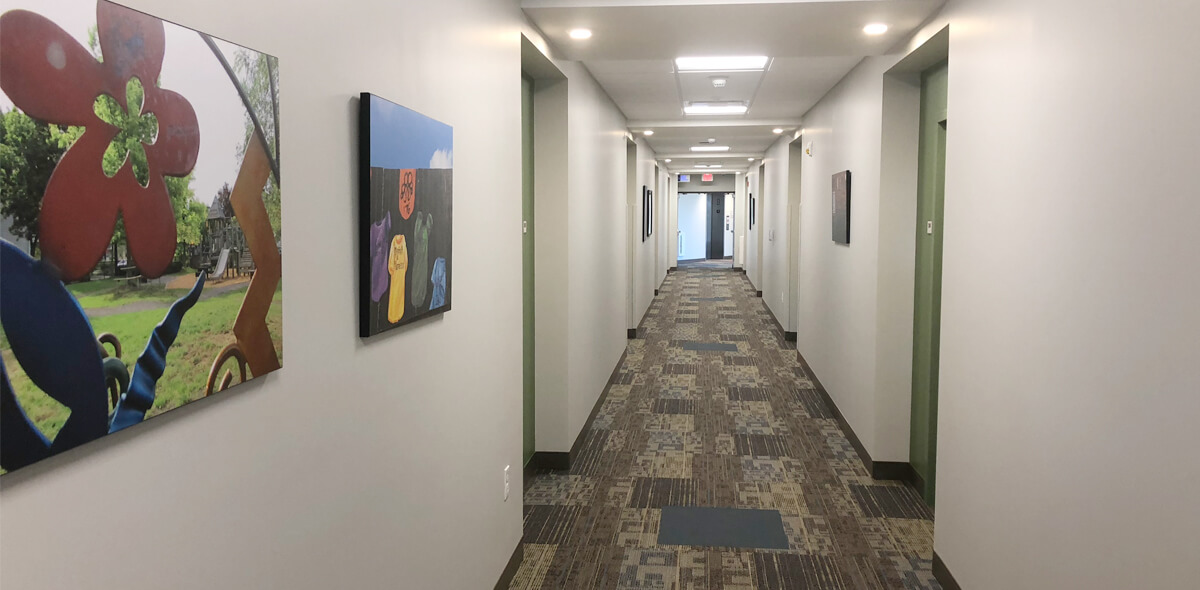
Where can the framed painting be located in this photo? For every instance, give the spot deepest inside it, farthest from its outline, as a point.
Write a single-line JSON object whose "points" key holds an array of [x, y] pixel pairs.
{"points": [[650, 215], [841, 207], [140, 264], [406, 178], [645, 214]]}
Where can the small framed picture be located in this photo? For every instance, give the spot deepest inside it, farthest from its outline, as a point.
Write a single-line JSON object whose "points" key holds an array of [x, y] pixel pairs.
{"points": [[841, 207]]}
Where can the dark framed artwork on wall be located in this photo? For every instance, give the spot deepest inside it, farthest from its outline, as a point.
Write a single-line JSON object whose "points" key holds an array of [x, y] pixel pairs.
{"points": [[841, 207], [752, 211], [143, 270], [650, 216], [645, 214], [405, 215]]}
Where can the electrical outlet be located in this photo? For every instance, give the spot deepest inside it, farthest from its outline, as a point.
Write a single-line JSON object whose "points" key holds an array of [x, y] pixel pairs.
{"points": [[506, 468]]}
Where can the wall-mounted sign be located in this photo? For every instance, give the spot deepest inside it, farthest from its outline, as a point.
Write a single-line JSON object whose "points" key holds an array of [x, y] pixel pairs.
{"points": [[706, 178], [685, 178]]}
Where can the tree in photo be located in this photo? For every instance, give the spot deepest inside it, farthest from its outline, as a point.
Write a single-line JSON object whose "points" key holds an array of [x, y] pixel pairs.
{"points": [[29, 151]]}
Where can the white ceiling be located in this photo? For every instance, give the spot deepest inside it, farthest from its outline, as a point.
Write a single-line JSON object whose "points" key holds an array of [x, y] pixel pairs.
{"points": [[634, 43]]}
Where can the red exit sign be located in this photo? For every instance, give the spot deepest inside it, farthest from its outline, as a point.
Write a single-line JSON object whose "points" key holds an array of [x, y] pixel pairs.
{"points": [[706, 178]]}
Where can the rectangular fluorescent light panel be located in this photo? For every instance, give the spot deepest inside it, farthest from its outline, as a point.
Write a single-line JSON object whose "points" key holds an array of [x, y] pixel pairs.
{"points": [[744, 63], [710, 148], [715, 108]]}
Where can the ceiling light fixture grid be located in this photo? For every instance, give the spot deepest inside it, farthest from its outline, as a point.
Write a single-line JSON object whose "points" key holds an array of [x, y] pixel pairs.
{"points": [[766, 67]]}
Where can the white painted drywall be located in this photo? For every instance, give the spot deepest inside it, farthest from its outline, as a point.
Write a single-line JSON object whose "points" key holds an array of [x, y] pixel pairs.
{"points": [[1070, 329], [1066, 450], [583, 284], [551, 146], [776, 275], [754, 227], [672, 209], [896, 208], [693, 226], [740, 215], [662, 226], [596, 249], [838, 285], [645, 273], [365, 464]]}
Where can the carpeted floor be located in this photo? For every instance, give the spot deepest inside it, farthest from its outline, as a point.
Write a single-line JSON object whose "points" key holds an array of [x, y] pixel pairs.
{"points": [[685, 423], [711, 264]]}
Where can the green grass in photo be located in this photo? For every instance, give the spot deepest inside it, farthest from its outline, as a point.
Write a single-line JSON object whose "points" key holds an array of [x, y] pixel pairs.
{"points": [[205, 330]]}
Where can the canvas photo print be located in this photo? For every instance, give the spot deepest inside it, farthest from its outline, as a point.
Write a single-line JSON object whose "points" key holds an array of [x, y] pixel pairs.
{"points": [[405, 210], [140, 263], [841, 207]]}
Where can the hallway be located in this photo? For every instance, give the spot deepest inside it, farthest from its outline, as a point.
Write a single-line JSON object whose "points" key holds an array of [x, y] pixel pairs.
{"points": [[708, 407]]}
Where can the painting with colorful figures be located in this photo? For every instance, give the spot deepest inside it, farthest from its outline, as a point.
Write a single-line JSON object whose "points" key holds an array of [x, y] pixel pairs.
{"points": [[140, 263], [406, 172]]}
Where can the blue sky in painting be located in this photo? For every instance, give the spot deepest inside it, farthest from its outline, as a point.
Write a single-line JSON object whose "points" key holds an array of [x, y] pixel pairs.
{"points": [[403, 138]]}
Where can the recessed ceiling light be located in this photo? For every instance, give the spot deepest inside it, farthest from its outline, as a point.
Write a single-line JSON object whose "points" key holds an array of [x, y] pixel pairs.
{"points": [[875, 29], [710, 148], [647, 133], [710, 140], [715, 108], [667, 160], [749, 159], [719, 82], [746, 63], [702, 165], [580, 34], [777, 131], [714, 165]]}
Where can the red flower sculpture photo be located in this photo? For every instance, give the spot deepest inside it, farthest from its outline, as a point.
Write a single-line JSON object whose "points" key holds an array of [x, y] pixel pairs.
{"points": [[51, 77]]}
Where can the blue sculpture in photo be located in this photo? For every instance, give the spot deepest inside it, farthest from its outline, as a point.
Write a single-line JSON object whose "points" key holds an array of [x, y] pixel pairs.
{"points": [[48, 330]]}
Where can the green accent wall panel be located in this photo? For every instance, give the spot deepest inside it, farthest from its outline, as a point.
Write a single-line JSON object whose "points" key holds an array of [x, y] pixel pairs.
{"points": [[931, 182], [527, 265]]}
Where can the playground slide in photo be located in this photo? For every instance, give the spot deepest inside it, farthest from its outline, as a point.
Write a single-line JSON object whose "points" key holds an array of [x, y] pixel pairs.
{"points": [[222, 262]]}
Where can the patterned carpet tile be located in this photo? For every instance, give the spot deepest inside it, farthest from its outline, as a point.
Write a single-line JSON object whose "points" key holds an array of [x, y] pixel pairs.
{"points": [[711, 408]]}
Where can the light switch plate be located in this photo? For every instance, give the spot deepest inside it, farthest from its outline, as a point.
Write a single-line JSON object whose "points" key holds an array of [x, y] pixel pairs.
{"points": [[929, 227]]}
